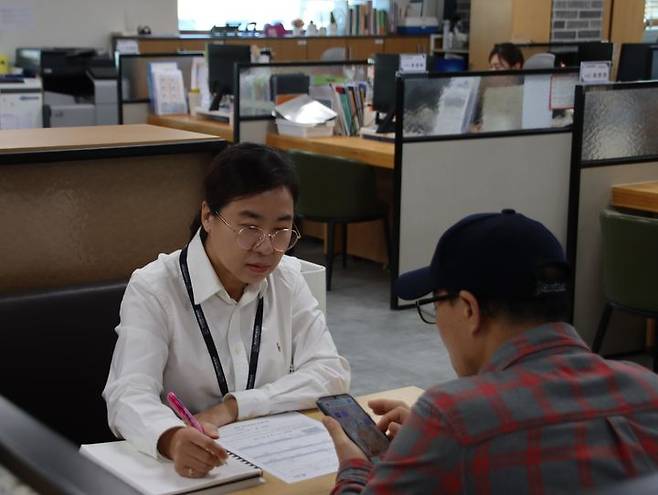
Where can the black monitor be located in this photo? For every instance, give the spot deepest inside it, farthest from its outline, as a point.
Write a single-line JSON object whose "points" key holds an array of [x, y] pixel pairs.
{"points": [[595, 51], [635, 62], [221, 69], [48, 463], [383, 97]]}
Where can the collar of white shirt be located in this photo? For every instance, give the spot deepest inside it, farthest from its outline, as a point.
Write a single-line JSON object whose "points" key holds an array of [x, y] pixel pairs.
{"points": [[205, 281]]}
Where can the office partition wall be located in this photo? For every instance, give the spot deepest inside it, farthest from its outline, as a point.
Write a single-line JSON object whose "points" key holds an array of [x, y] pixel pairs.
{"points": [[254, 102], [478, 142], [614, 143], [134, 100]]}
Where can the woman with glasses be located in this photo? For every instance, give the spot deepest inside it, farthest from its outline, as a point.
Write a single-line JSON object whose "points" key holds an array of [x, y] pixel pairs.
{"points": [[227, 323]]}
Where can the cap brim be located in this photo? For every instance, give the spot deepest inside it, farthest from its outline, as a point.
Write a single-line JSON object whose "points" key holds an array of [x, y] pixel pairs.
{"points": [[413, 285]]}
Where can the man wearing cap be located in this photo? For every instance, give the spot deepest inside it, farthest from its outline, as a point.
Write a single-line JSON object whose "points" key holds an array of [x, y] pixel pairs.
{"points": [[534, 410]]}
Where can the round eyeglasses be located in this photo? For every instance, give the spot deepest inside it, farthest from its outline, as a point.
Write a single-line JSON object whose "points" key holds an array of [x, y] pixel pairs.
{"points": [[427, 307], [251, 237]]}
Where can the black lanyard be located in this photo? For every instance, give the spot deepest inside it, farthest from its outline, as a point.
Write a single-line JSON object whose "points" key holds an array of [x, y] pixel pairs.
{"points": [[210, 344]]}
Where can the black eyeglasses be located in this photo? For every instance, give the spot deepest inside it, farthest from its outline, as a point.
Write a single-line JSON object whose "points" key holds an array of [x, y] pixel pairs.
{"points": [[427, 307]]}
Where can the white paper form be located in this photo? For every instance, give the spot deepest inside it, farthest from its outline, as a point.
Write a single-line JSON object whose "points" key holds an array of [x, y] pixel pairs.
{"points": [[290, 446]]}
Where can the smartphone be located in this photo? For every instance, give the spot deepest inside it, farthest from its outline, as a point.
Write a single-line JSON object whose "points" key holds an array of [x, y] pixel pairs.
{"points": [[356, 423]]}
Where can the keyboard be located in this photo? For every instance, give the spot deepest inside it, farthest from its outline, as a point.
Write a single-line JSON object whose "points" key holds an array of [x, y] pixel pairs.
{"points": [[371, 133], [223, 114]]}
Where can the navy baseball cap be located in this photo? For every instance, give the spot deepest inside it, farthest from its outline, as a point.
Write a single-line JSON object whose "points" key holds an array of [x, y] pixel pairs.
{"points": [[493, 255]]}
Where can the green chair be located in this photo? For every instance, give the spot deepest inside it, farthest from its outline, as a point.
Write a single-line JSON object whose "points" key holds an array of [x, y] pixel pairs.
{"points": [[630, 269], [337, 191]]}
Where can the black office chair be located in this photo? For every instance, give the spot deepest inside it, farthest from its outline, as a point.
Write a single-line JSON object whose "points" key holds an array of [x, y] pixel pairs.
{"points": [[46, 462], [55, 353]]}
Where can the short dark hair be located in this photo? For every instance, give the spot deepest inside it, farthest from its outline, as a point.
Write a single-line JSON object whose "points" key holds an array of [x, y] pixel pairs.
{"points": [[509, 52], [549, 307], [243, 170]]}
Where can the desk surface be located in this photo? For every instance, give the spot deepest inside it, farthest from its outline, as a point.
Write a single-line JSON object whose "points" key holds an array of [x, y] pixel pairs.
{"points": [[370, 151], [193, 123], [105, 136], [324, 484], [641, 196]]}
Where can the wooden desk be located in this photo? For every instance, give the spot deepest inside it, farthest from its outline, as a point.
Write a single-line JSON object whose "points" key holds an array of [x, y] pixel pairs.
{"points": [[376, 153], [193, 123], [324, 484], [100, 137], [642, 196]]}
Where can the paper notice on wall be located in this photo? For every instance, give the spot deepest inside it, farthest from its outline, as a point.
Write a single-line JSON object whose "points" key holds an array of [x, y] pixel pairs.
{"points": [[16, 17]]}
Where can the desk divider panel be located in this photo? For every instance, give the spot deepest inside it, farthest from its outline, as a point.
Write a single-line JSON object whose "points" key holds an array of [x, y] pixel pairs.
{"points": [[450, 162], [614, 143], [134, 101], [253, 104], [80, 221]]}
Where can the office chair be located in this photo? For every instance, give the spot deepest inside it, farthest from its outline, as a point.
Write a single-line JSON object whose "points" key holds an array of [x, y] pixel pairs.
{"points": [[336, 191], [630, 269], [55, 356]]}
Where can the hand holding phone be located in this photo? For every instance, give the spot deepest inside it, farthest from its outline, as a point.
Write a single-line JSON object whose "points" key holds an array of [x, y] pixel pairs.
{"points": [[356, 423]]}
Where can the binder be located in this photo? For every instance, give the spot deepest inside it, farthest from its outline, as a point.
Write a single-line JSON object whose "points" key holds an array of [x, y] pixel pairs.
{"points": [[157, 477]]}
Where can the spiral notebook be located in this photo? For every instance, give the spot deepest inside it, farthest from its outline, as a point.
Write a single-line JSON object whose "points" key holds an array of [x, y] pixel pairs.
{"points": [[156, 477]]}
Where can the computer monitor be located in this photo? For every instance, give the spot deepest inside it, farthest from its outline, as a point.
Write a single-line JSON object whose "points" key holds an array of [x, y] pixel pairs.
{"points": [[442, 64], [46, 462], [383, 95], [221, 69], [635, 62], [595, 51]]}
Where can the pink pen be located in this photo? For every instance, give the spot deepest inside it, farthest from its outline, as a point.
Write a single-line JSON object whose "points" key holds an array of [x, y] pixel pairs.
{"points": [[183, 412]]}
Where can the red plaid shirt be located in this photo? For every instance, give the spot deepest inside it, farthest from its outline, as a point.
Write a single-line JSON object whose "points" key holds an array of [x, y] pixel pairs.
{"points": [[545, 415]]}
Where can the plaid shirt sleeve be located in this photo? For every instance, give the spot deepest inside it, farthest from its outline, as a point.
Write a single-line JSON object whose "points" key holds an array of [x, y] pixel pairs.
{"points": [[425, 457]]}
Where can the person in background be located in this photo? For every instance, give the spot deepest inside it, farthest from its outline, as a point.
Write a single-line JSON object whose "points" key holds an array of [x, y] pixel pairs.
{"points": [[506, 56], [228, 323], [533, 409]]}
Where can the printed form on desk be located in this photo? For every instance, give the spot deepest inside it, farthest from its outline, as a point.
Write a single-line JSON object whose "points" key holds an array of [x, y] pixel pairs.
{"points": [[290, 446]]}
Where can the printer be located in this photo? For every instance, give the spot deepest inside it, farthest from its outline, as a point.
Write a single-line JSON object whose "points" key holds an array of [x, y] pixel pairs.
{"points": [[21, 102], [79, 85]]}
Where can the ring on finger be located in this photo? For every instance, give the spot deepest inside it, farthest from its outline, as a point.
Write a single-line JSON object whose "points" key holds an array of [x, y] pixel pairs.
{"points": [[190, 471]]}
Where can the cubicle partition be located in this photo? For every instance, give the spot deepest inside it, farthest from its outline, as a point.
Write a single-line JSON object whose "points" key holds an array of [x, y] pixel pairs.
{"points": [[254, 102], [614, 143], [134, 101], [476, 142]]}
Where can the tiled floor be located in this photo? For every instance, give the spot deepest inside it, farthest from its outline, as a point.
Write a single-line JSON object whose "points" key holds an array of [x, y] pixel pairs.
{"points": [[386, 349]]}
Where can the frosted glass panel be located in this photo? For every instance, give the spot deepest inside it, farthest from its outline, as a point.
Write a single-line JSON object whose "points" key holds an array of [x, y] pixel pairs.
{"points": [[490, 103], [255, 84], [620, 124]]}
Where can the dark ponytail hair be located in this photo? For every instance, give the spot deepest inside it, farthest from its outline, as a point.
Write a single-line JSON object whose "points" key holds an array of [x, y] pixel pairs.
{"points": [[242, 170], [508, 52]]}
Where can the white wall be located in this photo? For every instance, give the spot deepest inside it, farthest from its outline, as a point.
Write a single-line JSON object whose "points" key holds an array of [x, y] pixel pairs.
{"points": [[86, 23]]}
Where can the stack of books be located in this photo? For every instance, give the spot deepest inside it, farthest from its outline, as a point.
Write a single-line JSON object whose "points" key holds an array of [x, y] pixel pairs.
{"points": [[349, 102], [363, 19]]}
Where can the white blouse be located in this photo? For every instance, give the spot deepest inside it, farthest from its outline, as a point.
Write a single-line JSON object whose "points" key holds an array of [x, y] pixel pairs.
{"points": [[160, 347]]}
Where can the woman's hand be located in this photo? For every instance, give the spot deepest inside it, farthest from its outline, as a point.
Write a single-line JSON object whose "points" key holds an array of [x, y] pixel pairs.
{"points": [[394, 414], [221, 414], [194, 453]]}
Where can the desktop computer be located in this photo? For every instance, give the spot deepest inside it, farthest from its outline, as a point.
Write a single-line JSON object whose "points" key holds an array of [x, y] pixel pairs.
{"points": [[638, 62], [595, 51], [383, 96], [221, 74]]}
